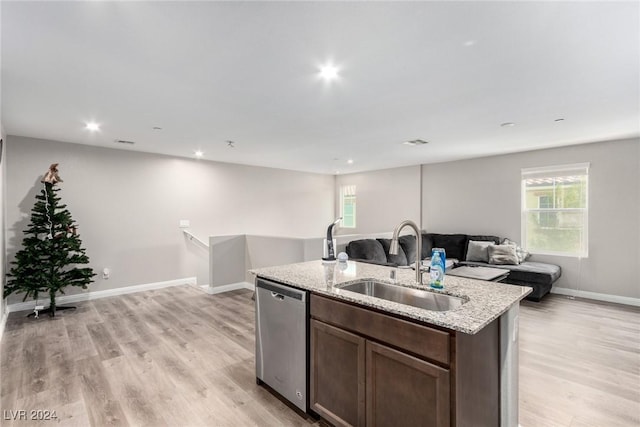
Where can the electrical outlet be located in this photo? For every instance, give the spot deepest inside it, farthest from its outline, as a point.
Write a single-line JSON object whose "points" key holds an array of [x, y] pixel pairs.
{"points": [[184, 223], [106, 273]]}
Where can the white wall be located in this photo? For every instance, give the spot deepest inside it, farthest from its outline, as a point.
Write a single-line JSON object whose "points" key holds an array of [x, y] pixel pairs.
{"points": [[384, 198], [128, 205], [3, 168], [2, 213], [227, 259], [482, 196], [231, 257]]}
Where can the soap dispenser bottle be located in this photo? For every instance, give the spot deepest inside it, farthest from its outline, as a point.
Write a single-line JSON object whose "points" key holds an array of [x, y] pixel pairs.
{"points": [[436, 271]]}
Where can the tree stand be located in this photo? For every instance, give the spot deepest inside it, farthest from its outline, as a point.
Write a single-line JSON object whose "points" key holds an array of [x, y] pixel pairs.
{"points": [[51, 312]]}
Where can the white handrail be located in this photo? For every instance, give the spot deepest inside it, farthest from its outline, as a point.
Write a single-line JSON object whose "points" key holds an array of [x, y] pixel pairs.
{"points": [[195, 240]]}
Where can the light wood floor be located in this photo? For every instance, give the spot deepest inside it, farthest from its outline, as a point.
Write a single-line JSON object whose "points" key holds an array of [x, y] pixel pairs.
{"points": [[180, 357], [579, 363]]}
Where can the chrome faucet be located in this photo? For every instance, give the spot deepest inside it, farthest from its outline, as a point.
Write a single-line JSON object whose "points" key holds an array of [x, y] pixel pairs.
{"points": [[393, 248]]}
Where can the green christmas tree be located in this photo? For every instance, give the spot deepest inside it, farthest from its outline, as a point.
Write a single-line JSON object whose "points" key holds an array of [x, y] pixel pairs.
{"points": [[52, 251]]}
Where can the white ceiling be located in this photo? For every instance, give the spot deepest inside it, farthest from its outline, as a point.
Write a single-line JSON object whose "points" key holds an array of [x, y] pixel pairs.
{"points": [[208, 72]]}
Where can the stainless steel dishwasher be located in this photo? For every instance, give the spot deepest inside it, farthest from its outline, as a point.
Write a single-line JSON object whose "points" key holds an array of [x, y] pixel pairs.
{"points": [[282, 344]]}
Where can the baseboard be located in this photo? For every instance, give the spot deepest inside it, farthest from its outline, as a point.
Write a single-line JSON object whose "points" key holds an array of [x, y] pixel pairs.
{"points": [[231, 287], [596, 296], [86, 296]]}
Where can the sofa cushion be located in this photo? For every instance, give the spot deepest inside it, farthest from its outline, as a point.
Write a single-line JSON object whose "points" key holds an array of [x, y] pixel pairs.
{"points": [[455, 245], [408, 244], [367, 249], [478, 250], [503, 254], [528, 272], [399, 259], [536, 272], [521, 253], [482, 238]]}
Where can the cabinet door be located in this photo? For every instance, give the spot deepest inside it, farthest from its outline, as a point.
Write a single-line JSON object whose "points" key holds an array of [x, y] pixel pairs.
{"points": [[337, 375], [405, 391]]}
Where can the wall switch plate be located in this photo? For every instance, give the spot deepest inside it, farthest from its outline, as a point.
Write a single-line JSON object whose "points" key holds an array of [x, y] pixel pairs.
{"points": [[184, 223], [106, 273]]}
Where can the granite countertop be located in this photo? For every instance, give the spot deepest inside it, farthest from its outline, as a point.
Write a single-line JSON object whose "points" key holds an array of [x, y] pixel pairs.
{"points": [[485, 301]]}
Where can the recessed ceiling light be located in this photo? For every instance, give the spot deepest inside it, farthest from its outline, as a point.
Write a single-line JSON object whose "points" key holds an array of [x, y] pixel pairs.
{"points": [[199, 153], [507, 125], [329, 72], [350, 161], [469, 43], [92, 126], [415, 142]]}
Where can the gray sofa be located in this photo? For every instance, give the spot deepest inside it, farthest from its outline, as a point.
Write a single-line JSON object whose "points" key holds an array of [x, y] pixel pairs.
{"points": [[537, 275]]}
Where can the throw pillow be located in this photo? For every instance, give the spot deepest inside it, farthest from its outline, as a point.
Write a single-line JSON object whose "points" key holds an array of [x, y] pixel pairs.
{"points": [[502, 255], [408, 244], [478, 251], [399, 259], [367, 249], [521, 253]]}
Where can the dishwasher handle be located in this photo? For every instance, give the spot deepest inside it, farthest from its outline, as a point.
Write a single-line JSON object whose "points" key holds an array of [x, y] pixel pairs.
{"points": [[279, 291]]}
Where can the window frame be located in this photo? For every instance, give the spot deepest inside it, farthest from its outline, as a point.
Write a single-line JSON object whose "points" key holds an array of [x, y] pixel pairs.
{"points": [[554, 172], [348, 191]]}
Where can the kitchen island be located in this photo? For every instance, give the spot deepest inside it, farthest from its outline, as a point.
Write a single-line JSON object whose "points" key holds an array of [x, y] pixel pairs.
{"points": [[374, 362]]}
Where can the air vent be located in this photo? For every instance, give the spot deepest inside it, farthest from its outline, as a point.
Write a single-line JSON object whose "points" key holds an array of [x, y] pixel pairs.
{"points": [[415, 142], [123, 141]]}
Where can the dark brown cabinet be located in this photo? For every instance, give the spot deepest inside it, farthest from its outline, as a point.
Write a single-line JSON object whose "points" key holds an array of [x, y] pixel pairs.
{"points": [[403, 390], [338, 374], [368, 368]]}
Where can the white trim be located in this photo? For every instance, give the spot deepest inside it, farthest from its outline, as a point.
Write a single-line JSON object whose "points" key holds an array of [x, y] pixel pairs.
{"points": [[582, 167], [348, 190], [559, 254], [230, 287], [551, 171], [86, 296], [3, 321], [597, 296]]}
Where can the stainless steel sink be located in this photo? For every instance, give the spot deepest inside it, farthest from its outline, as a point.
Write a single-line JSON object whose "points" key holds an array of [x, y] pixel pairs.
{"points": [[408, 296]]}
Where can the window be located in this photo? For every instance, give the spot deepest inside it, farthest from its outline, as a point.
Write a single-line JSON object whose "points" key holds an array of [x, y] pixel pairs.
{"points": [[555, 210], [545, 218], [348, 206]]}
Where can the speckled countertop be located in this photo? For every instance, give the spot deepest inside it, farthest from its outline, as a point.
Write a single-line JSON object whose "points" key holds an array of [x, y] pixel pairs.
{"points": [[485, 301]]}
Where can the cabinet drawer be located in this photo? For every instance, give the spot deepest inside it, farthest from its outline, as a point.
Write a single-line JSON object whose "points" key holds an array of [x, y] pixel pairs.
{"points": [[418, 339]]}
